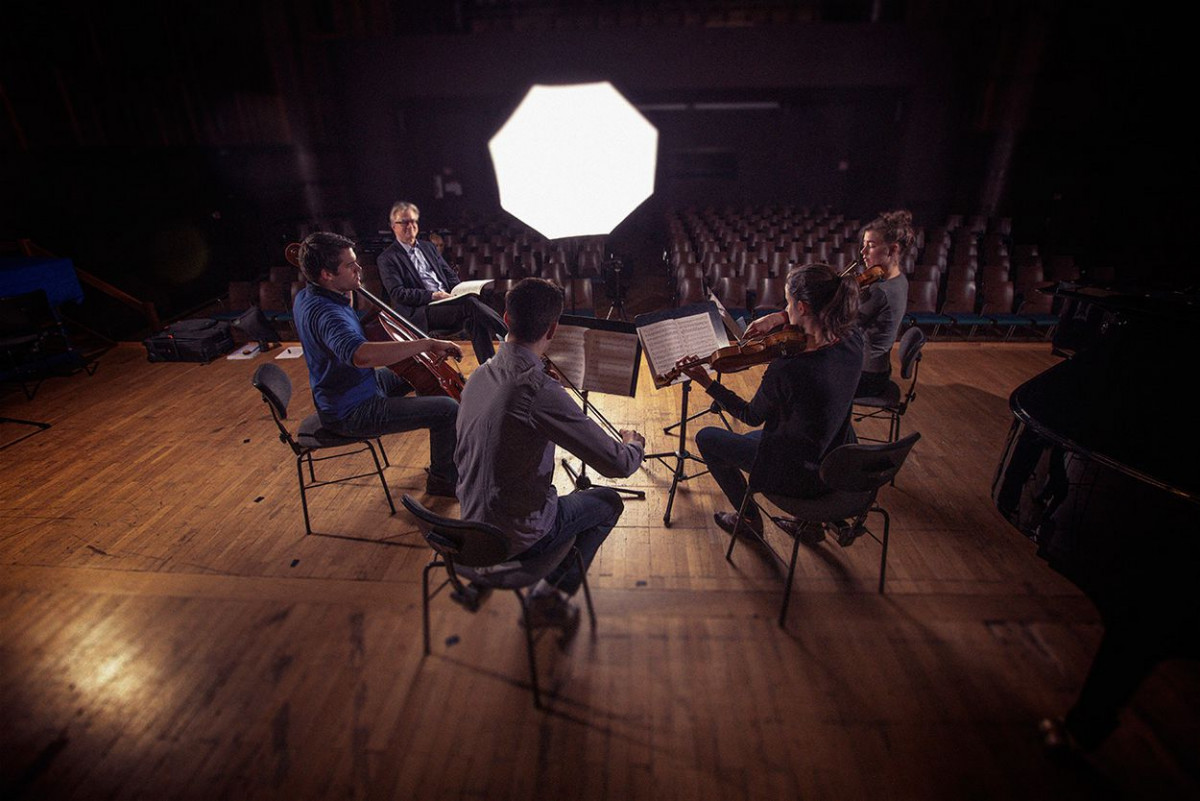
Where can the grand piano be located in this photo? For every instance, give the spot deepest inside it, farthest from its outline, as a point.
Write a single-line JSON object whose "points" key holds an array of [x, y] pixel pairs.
{"points": [[1101, 471]]}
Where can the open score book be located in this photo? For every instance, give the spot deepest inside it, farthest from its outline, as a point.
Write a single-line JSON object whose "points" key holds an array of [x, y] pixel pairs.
{"points": [[668, 336], [597, 355]]}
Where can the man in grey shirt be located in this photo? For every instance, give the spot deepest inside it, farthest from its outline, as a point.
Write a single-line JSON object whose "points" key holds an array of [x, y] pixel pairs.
{"points": [[511, 416]]}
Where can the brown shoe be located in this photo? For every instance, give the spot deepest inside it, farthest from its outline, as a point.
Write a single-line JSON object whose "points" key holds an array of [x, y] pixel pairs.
{"points": [[436, 485], [749, 527]]}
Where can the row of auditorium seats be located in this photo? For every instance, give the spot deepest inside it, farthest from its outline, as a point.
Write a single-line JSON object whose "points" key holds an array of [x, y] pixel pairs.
{"points": [[966, 276]]}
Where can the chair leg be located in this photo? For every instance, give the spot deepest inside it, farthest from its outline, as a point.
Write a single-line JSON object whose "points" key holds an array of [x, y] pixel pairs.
{"points": [[887, 524], [587, 593], [383, 453], [737, 525], [303, 494], [425, 600], [379, 470], [787, 587], [529, 648]]}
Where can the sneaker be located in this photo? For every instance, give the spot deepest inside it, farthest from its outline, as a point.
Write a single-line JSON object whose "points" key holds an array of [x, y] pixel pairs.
{"points": [[809, 533], [436, 485], [749, 527], [551, 611]]}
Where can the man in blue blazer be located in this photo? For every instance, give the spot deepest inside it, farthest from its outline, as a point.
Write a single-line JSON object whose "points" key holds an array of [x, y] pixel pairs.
{"points": [[414, 273]]}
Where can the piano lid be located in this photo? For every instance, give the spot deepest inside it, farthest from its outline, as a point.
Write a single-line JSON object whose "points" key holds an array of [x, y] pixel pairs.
{"points": [[1124, 398]]}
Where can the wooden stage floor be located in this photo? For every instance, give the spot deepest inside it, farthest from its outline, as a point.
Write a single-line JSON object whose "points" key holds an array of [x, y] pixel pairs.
{"points": [[167, 630]]}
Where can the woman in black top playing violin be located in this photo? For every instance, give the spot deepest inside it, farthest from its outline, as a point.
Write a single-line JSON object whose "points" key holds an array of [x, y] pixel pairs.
{"points": [[803, 403]]}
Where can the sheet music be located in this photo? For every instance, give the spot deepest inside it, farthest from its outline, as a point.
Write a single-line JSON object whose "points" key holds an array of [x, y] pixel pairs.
{"points": [[595, 356], [668, 341], [607, 356], [463, 288], [566, 350], [734, 328]]}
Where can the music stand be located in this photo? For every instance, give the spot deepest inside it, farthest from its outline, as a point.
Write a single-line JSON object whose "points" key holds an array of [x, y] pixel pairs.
{"points": [[601, 356], [680, 454], [668, 336], [734, 330]]}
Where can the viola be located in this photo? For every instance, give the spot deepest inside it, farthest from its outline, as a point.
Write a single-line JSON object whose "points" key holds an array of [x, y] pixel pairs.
{"points": [[427, 375]]}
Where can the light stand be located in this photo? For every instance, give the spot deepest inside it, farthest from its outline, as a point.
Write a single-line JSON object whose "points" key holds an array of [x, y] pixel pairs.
{"points": [[680, 454], [612, 286]]}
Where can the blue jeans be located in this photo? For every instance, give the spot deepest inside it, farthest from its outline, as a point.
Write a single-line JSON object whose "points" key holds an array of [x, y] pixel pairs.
{"points": [[392, 413], [588, 516], [727, 456]]}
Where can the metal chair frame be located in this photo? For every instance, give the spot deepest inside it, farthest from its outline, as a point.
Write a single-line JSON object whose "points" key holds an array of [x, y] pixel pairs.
{"points": [[855, 474], [893, 403], [275, 387], [474, 545]]}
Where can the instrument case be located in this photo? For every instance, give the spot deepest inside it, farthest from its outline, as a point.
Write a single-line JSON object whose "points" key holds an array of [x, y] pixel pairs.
{"points": [[190, 341]]}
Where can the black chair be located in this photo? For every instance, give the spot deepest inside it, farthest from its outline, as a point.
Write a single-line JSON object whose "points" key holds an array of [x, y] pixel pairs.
{"points": [[892, 403], [854, 474], [475, 552], [276, 389], [34, 345]]}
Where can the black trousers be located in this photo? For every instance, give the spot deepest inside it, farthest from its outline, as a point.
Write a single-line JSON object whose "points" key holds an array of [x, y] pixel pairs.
{"points": [[481, 321]]}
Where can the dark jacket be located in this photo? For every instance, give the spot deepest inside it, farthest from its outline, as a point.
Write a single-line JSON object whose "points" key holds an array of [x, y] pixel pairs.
{"points": [[405, 291]]}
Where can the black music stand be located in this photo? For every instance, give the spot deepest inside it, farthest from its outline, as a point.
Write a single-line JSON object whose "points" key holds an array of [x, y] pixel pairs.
{"points": [[680, 454], [734, 331], [668, 336], [569, 344]]}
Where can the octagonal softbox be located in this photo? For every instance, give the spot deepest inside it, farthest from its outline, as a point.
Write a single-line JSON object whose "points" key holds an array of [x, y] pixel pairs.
{"points": [[574, 160]]}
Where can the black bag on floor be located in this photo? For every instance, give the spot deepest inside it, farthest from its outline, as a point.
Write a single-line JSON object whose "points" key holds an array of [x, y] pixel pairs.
{"points": [[190, 341]]}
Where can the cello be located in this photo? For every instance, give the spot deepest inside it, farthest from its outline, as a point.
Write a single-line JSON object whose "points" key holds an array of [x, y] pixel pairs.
{"points": [[427, 375]]}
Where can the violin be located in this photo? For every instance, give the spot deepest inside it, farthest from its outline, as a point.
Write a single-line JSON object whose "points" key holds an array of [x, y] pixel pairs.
{"points": [[426, 374], [785, 341]]}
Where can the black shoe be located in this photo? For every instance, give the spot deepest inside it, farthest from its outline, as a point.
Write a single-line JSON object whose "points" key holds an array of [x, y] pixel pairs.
{"points": [[551, 611], [471, 597], [749, 527], [809, 533], [436, 485], [846, 533]]}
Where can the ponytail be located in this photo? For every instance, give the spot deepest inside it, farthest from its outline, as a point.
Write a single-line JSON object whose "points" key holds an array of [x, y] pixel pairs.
{"points": [[833, 299]]}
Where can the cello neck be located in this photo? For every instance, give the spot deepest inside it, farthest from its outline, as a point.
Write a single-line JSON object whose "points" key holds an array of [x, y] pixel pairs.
{"points": [[395, 316]]}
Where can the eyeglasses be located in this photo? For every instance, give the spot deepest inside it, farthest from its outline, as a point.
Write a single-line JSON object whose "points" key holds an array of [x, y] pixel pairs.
{"points": [[404, 222]]}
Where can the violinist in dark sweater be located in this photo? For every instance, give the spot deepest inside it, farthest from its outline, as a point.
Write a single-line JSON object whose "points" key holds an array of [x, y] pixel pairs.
{"points": [[803, 403]]}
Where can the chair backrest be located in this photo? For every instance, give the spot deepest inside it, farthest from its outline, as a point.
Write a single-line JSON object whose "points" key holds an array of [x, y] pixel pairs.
{"points": [[910, 350], [276, 388], [463, 542], [865, 468], [960, 297], [922, 296]]}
